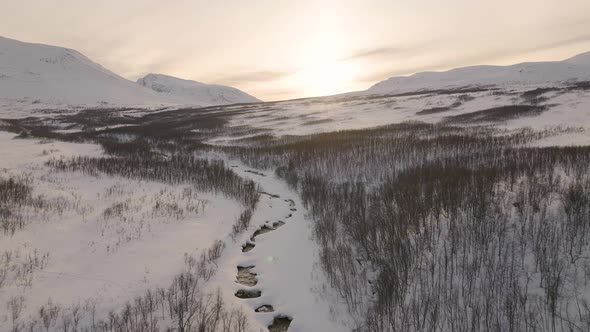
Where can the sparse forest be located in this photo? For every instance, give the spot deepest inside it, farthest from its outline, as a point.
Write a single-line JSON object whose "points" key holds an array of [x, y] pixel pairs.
{"points": [[185, 305], [443, 228], [455, 226]]}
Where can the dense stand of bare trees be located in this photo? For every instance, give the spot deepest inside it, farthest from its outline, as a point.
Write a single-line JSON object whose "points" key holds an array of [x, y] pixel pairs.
{"points": [[439, 228], [205, 175], [15, 192]]}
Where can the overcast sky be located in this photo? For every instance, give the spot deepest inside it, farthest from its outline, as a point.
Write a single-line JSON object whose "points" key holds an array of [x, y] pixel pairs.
{"points": [[277, 49]]}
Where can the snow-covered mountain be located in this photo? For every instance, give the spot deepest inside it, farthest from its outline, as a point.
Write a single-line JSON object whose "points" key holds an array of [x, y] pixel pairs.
{"points": [[528, 74], [37, 76], [195, 92], [49, 75], [580, 59]]}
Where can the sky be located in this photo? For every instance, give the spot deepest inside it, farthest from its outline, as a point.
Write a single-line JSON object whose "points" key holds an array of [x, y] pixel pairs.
{"points": [[283, 49]]}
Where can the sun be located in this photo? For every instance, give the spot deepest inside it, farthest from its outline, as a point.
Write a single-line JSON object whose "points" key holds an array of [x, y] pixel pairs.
{"points": [[326, 79]]}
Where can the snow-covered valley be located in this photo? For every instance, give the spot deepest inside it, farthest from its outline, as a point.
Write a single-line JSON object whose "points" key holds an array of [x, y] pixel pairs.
{"points": [[440, 201], [117, 237]]}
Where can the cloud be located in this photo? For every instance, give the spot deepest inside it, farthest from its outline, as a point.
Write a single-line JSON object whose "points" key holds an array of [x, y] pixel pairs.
{"points": [[561, 43], [391, 51], [376, 52], [380, 74], [252, 77]]}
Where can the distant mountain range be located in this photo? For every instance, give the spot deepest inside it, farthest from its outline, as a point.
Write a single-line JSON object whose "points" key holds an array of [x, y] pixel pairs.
{"points": [[528, 74], [36, 74]]}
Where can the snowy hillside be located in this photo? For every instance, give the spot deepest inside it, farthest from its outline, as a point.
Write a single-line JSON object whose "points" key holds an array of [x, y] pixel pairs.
{"points": [[42, 74], [38, 77], [580, 59], [195, 92], [529, 74]]}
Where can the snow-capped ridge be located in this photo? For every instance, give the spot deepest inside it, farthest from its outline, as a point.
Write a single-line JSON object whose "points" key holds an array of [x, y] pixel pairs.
{"points": [[193, 91], [62, 77], [529, 74], [39, 76], [580, 59]]}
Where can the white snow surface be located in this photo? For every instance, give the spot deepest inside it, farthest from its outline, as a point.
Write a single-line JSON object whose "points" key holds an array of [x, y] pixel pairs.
{"points": [[110, 261], [93, 258], [37, 77], [528, 74], [43, 74], [313, 116], [285, 261], [580, 59], [195, 92]]}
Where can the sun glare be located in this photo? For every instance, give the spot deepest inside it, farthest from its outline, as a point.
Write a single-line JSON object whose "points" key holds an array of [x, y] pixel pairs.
{"points": [[327, 79]]}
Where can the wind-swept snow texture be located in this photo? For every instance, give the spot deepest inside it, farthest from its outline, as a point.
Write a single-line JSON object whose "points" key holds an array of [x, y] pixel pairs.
{"points": [[195, 92]]}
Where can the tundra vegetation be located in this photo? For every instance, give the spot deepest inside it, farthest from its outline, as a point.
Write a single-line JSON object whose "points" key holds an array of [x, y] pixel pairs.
{"points": [[185, 305], [455, 226], [188, 303], [444, 228]]}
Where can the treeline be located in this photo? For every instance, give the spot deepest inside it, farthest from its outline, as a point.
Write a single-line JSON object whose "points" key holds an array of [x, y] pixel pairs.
{"points": [[205, 175], [377, 153], [440, 228]]}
